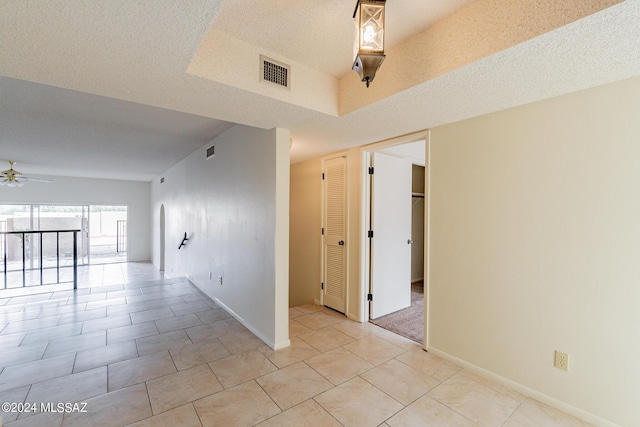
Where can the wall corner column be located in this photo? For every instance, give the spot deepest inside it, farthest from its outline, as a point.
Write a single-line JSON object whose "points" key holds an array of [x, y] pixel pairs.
{"points": [[283, 145]]}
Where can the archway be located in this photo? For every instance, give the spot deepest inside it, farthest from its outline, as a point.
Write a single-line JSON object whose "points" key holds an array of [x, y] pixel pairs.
{"points": [[162, 221]]}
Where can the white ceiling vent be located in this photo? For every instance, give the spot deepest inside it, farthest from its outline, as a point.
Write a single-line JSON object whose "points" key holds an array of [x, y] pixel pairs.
{"points": [[275, 72]]}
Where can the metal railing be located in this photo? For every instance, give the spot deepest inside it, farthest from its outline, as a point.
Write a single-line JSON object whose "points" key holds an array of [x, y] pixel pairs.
{"points": [[24, 245], [121, 235]]}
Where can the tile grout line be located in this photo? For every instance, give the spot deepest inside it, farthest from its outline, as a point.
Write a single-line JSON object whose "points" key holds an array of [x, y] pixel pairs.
{"points": [[514, 411], [332, 386], [148, 400]]}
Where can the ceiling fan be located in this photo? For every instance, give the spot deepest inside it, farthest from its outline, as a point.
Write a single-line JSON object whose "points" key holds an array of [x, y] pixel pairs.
{"points": [[13, 178]]}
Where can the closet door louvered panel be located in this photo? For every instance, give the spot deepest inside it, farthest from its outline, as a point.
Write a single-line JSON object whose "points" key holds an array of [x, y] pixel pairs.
{"points": [[334, 240], [335, 207], [335, 273]]}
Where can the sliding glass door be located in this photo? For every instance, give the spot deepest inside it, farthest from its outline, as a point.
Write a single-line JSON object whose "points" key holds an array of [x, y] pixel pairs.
{"points": [[107, 234], [53, 217], [103, 237]]}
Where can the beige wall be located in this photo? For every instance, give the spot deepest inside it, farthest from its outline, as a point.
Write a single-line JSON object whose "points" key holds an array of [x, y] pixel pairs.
{"points": [[304, 236], [535, 246]]}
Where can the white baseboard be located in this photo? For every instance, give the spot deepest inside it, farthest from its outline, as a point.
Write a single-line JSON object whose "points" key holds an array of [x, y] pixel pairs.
{"points": [[529, 392], [273, 345], [254, 331]]}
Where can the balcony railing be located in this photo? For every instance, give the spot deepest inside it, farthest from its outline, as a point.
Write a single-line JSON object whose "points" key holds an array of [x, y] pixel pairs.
{"points": [[121, 235], [27, 242]]}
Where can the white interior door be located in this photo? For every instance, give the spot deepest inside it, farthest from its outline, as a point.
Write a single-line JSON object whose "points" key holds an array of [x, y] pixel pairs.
{"points": [[391, 242], [335, 233]]}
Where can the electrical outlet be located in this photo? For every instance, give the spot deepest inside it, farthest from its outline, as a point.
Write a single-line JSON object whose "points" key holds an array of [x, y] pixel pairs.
{"points": [[220, 280], [561, 361]]}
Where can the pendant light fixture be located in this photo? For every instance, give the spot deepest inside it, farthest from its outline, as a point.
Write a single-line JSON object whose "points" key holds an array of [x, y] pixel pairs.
{"points": [[369, 38]]}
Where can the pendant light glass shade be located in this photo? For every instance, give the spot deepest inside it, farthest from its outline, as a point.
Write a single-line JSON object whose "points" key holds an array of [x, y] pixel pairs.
{"points": [[369, 38]]}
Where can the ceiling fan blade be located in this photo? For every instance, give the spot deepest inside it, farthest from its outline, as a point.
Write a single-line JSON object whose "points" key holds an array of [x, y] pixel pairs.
{"points": [[13, 178], [27, 178]]}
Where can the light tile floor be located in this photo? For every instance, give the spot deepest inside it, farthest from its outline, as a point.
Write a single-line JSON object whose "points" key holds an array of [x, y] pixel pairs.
{"points": [[146, 351]]}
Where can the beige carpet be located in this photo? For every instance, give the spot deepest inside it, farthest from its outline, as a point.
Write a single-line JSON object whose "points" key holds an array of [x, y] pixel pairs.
{"points": [[408, 322]]}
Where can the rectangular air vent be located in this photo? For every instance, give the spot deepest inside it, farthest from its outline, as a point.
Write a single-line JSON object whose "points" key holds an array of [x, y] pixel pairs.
{"points": [[211, 151], [274, 72]]}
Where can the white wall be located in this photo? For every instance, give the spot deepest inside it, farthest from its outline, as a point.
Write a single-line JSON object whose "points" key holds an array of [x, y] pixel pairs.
{"points": [[235, 210], [83, 191], [535, 246]]}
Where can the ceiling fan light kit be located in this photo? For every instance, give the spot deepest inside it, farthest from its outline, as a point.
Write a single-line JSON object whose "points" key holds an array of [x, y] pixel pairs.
{"points": [[13, 178], [368, 48]]}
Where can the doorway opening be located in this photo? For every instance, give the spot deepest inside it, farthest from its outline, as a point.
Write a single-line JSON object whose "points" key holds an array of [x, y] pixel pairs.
{"points": [[396, 213], [162, 222]]}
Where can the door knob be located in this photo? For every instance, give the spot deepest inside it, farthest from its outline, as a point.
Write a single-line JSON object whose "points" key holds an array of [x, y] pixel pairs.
{"points": [[341, 242]]}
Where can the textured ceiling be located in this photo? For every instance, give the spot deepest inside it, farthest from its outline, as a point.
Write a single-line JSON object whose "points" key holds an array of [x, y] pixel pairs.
{"points": [[60, 132], [302, 30], [126, 89]]}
